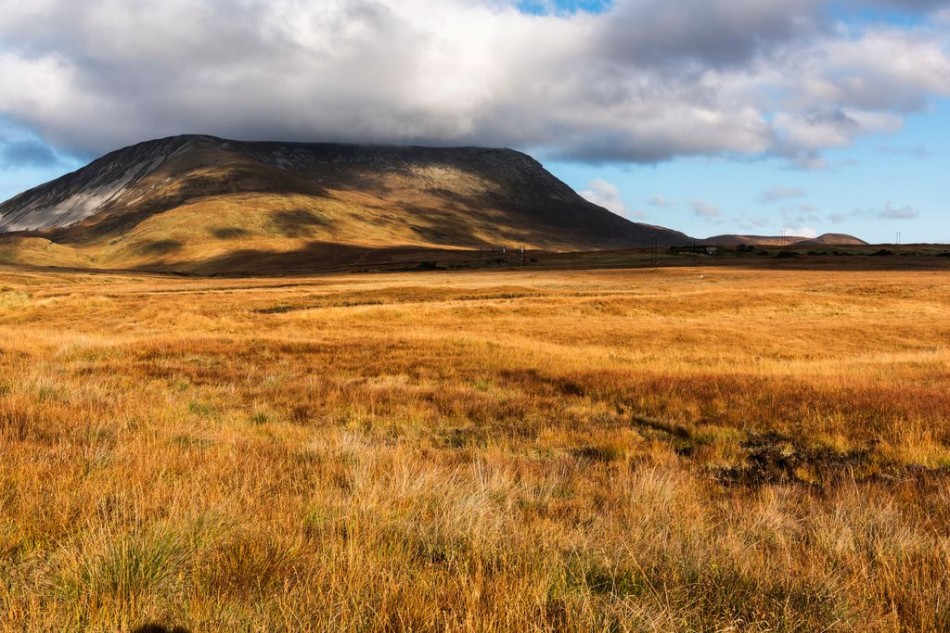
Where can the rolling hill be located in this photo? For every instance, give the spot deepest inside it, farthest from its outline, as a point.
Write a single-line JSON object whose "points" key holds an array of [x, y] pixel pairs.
{"points": [[201, 204], [827, 239]]}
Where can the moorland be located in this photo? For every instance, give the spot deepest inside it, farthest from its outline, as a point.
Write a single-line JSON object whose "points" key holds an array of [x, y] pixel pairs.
{"points": [[743, 447]]}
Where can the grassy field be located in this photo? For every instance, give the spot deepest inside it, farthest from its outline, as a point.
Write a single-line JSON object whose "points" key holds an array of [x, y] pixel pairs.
{"points": [[718, 449]]}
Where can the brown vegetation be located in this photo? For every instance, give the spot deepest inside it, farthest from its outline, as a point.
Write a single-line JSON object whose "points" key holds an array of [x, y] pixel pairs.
{"points": [[681, 449]]}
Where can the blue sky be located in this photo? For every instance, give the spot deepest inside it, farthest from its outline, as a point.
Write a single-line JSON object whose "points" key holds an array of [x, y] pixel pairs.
{"points": [[707, 116], [883, 187], [904, 173]]}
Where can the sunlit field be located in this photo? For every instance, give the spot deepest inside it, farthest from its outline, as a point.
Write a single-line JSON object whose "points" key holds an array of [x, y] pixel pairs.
{"points": [[715, 449]]}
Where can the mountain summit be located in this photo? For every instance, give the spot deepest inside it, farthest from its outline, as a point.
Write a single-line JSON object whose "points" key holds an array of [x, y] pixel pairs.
{"points": [[200, 203]]}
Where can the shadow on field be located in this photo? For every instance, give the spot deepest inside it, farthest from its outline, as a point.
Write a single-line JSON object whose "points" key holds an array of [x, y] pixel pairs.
{"points": [[229, 233], [324, 257], [298, 222], [158, 628], [161, 247], [911, 257], [318, 257]]}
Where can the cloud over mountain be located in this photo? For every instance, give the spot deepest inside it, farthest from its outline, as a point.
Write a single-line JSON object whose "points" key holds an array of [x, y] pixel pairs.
{"points": [[606, 195], [642, 81]]}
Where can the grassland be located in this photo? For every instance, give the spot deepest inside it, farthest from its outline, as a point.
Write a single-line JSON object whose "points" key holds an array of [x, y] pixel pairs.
{"points": [[620, 450]]}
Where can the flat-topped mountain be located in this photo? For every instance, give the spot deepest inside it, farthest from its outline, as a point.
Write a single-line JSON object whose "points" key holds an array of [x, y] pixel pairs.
{"points": [[204, 204]]}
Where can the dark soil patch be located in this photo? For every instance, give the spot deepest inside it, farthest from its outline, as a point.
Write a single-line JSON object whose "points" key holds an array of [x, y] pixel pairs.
{"points": [[775, 459]]}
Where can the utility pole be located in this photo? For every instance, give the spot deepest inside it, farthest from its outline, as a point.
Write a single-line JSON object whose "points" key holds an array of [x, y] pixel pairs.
{"points": [[694, 252], [655, 246], [898, 238], [523, 261]]}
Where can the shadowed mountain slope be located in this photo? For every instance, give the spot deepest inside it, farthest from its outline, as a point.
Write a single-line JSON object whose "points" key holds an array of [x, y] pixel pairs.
{"points": [[203, 204]]}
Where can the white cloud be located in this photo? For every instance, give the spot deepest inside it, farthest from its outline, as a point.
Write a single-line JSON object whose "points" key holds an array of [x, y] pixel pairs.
{"points": [[801, 231], [754, 223], [836, 128], [645, 81], [661, 202], [886, 212], [606, 195], [890, 212], [704, 209], [914, 151], [779, 193]]}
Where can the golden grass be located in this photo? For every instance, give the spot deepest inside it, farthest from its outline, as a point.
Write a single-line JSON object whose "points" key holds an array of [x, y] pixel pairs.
{"points": [[39, 251], [633, 450]]}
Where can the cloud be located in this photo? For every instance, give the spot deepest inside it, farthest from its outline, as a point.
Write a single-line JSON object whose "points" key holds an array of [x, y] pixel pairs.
{"points": [[887, 212], [637, 81], [720, 33], [799, 215], [913, 5], [890, 212], [915, 151], [606, 195], [704, 209], [805, 133], [779, 193], [806, 208], [754, 223], [661, 202], [801, 231]]}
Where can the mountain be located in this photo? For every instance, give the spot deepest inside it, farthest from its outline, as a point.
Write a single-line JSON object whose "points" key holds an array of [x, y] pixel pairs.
{"points": [[828, 239], [833, 239], [205, 204], [731, 241]]}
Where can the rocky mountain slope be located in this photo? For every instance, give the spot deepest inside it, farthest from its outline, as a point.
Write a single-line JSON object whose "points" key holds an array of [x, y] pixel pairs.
{"points": [[202, 204]]}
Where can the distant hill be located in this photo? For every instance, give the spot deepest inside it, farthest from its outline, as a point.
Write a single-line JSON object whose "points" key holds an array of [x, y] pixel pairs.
{"points": [[828, 239], [833, 239], [207, 205]]}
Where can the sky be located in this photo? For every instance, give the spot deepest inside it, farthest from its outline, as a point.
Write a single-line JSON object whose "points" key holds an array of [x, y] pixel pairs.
{"points": [[706, 116]]}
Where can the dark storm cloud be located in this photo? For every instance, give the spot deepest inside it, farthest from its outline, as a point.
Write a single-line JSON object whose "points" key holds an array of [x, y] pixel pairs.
{"points": [[920, 6], [645, 81], [705, 32]]}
